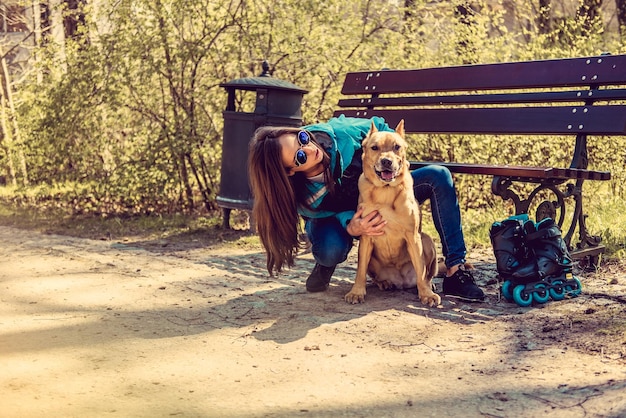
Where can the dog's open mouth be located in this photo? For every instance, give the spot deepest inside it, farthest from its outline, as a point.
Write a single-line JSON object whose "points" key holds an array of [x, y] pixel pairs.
{"points": [[387, 175]]}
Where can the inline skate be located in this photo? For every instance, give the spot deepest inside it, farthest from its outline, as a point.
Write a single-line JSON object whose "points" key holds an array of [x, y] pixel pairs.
{"points": [[533, 261]]}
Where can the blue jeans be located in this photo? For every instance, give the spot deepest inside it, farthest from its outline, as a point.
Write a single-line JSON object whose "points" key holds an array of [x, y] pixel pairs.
{"points": [[331, 243]]}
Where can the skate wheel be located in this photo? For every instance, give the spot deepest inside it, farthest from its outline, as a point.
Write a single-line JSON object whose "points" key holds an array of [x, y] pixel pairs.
{"points": [[557, 292], [506, 290], [521, 297], [540, 293], [574, 290]]}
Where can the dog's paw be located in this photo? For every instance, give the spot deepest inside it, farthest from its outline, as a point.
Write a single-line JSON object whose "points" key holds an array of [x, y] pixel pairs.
{"points": [[431, 299], [385, 285], [355, 296]]}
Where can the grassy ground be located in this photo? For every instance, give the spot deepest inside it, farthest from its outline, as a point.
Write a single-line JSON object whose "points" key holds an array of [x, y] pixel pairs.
{"points": [[171, 228], [606, 218]]}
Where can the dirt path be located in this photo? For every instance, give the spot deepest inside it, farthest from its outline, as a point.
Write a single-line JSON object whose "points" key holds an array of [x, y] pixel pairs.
{"points": [[149, 329]]}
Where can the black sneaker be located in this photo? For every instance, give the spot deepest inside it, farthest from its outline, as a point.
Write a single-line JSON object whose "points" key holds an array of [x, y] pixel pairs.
{"points": [[319, 278], [461, 285]]}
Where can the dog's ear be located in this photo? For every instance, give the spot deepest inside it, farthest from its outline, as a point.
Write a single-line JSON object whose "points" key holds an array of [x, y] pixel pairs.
{"points": [[400, 128], [373, 129]]}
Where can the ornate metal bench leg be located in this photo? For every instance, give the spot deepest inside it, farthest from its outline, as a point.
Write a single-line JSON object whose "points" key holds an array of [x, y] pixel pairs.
{"points": [[554, 209], [546, 209], [589, 246], [500, 186], [575, 192]]}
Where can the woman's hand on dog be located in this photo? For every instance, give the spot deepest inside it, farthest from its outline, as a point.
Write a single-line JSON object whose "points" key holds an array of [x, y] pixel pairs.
{"points": [[370, 224]]}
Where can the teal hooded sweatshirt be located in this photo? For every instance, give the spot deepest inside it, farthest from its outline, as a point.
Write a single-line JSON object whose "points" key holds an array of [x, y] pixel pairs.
{"points": [[346, 136]]}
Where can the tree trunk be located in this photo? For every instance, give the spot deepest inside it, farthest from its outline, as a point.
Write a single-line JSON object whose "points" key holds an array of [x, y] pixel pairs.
{"points": [[5, 133], [465, 47], [544, 19], [36, 10], [57, 29], [202, 185], [7, 143], [186, 183], [409, 6], [589, 12], [10, 129], [620, 6], [14, 128]]}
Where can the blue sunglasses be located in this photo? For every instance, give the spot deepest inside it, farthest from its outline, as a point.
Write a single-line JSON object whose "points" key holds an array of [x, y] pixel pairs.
{"points": [[304, 138]]}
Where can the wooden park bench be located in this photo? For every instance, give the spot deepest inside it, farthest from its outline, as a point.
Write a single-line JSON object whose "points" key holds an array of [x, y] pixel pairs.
{"points": [[577, 97]]}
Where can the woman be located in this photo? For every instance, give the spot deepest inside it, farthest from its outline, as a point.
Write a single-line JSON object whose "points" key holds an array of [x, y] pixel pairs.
{"points": [[312, 172]]}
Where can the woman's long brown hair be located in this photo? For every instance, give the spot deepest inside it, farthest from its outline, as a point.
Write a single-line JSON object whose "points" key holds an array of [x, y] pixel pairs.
{"points": [[275, 209]]}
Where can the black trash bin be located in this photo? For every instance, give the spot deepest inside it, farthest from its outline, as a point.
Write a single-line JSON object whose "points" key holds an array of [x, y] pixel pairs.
{"points": [[277, 103]]}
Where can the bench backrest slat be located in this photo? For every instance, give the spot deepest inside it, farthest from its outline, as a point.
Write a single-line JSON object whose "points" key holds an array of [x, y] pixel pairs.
{"points": [[570, 72], [597, 120], [582, 96]]}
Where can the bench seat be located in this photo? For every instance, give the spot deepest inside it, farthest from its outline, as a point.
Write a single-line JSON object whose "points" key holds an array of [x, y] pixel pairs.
{"points": [[520, 173]]}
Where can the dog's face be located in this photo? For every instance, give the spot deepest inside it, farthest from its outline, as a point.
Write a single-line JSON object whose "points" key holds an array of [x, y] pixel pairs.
{"points": [[384, 154]]}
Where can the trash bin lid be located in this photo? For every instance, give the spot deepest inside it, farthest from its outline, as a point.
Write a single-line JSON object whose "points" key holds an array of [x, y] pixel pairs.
{"points": [[253, 83]]}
